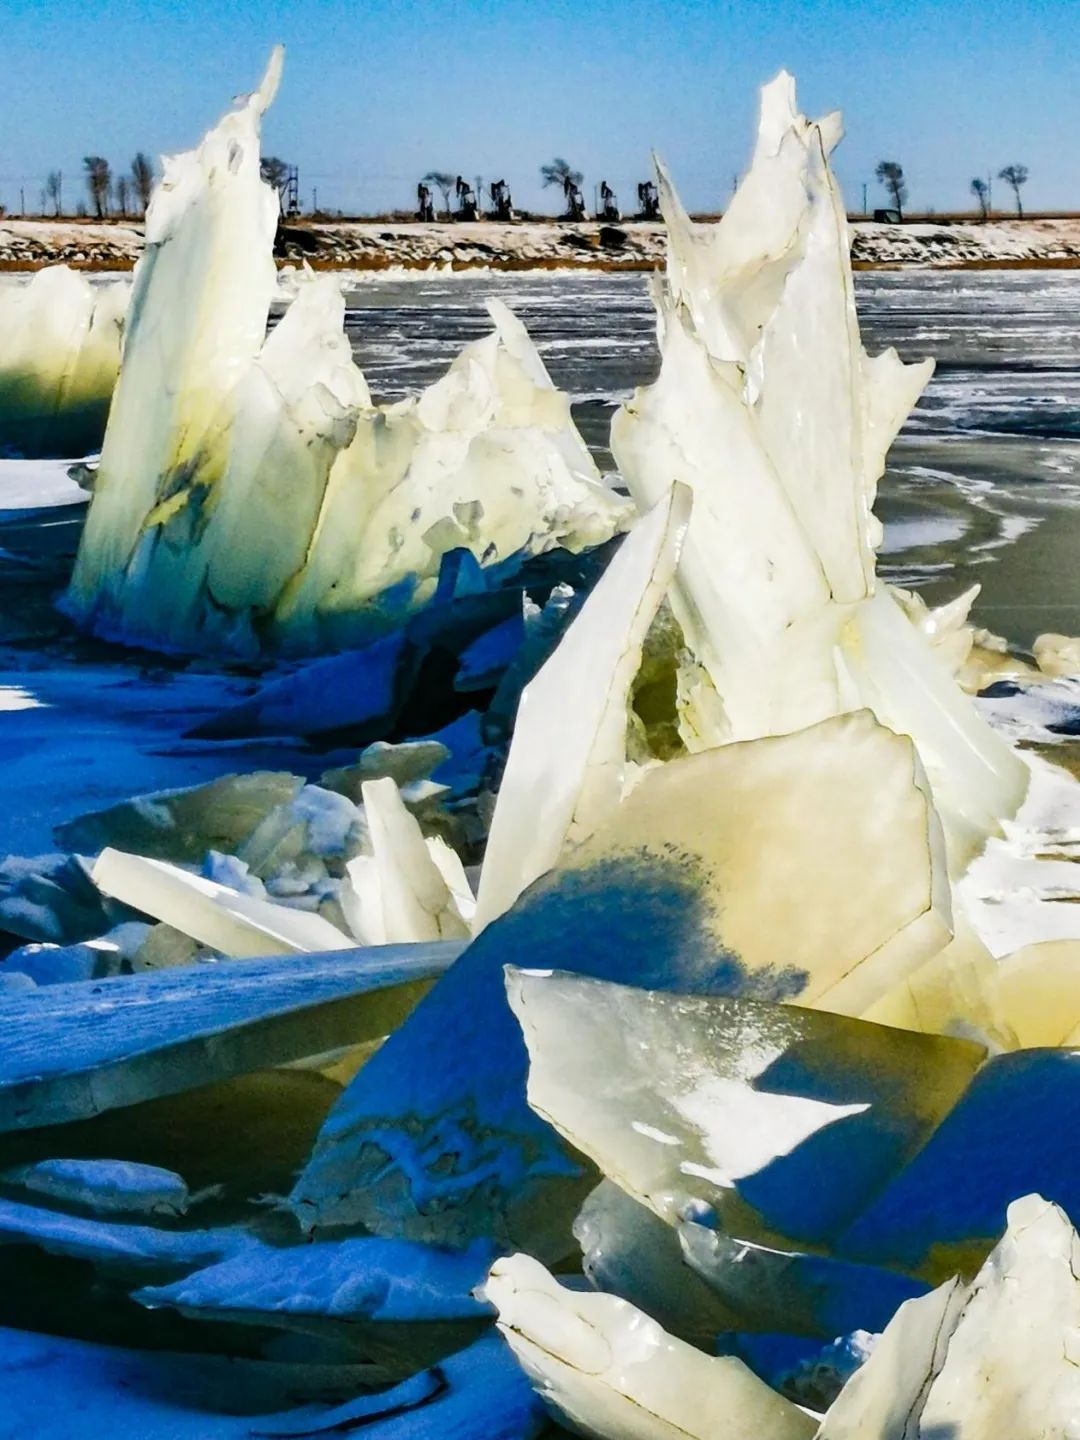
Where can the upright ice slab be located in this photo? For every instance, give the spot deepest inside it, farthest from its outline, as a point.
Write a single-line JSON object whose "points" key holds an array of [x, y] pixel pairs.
{"points": [[59, 356], [768, 406], [201, 296]]}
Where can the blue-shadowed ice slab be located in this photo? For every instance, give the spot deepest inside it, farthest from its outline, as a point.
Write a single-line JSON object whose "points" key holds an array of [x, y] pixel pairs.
{"points": [[753, 869], [1012, 1132], [50, 1382], [746, 1112], [72, 1051], [607, 1371], [400, 1304], [134, 1251], [793, 1292], [60, 341]]}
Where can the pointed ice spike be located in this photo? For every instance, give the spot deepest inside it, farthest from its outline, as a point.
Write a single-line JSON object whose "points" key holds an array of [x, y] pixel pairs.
{"points": [[553, 795]]}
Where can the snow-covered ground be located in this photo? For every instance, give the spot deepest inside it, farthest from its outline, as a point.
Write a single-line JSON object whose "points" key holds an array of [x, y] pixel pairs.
{"points": [[537, 245]]}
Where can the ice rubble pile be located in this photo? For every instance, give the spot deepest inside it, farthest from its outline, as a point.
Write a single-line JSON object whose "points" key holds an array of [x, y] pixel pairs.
{"points": [[993, 1358], [768, 406], [733, 837], [60, 342], [249, 495]]}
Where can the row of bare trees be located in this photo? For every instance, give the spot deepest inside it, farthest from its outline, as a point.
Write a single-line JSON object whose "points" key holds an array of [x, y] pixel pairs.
{"points": [[125, 193], [890, 173]]}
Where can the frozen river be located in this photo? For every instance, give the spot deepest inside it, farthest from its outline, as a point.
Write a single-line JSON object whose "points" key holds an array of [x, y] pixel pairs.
{"points": [[984, 484]]}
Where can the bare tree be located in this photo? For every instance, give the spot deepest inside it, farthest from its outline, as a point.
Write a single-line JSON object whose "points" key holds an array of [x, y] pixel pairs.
{"points": [[275, 172], [444, 182], [981, 190], [98, 181], [54, 190], [890, 173], [142, 177], [1015, 176], [122, 193], [559, 172]]}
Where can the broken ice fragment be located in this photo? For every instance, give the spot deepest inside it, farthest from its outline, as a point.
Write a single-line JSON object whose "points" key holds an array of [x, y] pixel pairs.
{"points": [[709, 878], [551, 796], [215, 914], [791, 1292], [181, 825], [126, 1249], [358, 506], [1057, 655], [201, 296], [404, 1305], [882, 1399], [105, 1187], [746, 1109], [608, 1371], [1039, 991], [400, 891], [627, 1250]]}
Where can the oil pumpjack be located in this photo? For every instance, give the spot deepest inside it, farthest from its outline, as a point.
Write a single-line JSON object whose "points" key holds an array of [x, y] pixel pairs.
{"points": [[468, 208], [609, 203], [502, 205], [648, 198]]}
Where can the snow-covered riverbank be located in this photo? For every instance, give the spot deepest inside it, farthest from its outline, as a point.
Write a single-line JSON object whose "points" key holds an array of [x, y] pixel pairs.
{"points": [[540, 245]]}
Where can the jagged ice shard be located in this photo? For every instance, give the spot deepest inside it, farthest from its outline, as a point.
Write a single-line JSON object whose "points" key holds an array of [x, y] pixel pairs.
{"points": [[59, 356], [250, 496], [768, 406]]}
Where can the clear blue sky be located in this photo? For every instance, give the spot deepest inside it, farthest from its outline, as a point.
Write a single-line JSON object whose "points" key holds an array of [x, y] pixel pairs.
{"points": [[375, 93]]}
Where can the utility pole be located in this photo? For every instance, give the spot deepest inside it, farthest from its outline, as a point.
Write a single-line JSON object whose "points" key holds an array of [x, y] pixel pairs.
{"points": [[989, 195], [864, 209], [22, 201], [315, 200]]}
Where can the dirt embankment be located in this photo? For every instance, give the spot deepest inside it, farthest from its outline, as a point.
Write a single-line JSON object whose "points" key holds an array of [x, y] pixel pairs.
{"points": [[542, 245]]}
